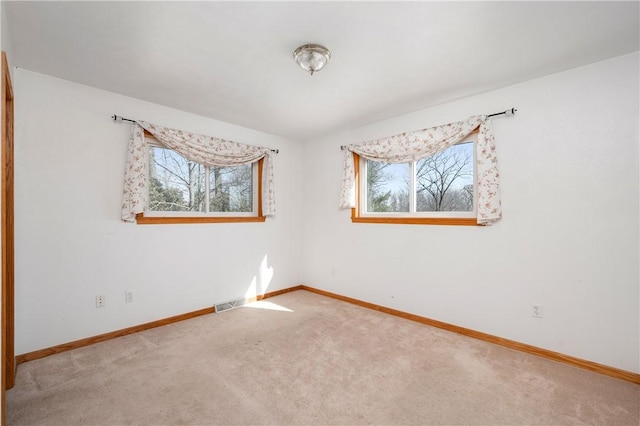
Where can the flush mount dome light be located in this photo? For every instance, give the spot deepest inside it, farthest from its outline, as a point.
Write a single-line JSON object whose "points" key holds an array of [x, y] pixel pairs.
{"points": [[312, 57]]}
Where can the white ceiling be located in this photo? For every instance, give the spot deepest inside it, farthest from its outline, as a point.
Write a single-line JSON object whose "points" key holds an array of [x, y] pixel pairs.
{"points": [[232, 61]]}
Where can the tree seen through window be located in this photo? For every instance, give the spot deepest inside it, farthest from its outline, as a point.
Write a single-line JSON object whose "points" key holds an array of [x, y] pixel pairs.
{"points": [[177, 184], [442, 182]]}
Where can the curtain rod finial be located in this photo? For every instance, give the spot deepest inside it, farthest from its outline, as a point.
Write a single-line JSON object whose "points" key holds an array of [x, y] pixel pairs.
{"points": [[121, 118]]}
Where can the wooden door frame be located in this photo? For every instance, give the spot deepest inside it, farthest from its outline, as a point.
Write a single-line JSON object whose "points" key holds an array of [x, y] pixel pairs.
{"points": [[8, 364]]}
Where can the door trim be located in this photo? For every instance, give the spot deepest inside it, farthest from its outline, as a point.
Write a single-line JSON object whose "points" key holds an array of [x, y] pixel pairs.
{"points": [[8, 363]]}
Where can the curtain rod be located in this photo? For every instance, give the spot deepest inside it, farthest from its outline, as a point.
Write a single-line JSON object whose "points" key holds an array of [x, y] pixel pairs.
{"points": [[510, 111], [121, 118]]}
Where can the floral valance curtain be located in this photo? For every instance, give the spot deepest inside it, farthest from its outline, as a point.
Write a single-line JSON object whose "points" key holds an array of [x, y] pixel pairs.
{"points": [[206, 150], [414, 146]]}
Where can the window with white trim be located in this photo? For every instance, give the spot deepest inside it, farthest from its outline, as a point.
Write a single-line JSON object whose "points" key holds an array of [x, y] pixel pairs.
{"points": [[180, 188], [441, 186], [179, 185]]}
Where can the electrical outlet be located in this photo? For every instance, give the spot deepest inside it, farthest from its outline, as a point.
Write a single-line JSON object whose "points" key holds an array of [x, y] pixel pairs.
{"points": [[100, 301], [536, 311], [128, 296]]}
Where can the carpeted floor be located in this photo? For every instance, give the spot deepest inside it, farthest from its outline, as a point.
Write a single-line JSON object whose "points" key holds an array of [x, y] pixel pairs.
{"points": [[301, 358]]}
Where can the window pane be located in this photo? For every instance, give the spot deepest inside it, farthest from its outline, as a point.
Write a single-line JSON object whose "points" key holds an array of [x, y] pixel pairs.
{"points": [[387, 187], [175, 184], [231, 189], [444, 182]]}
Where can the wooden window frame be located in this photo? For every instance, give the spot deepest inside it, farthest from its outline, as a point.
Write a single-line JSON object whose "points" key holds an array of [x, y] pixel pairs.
{"points": [[357, 217], [141, 219]]}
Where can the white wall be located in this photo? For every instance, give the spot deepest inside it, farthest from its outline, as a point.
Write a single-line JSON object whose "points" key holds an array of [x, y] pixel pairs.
{"points": [[5, 36], [72, 246], [568, 240]]}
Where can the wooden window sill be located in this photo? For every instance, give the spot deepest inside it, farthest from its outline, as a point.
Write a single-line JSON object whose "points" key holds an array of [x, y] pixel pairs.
{"points": [[456, 221], [141, 219]]}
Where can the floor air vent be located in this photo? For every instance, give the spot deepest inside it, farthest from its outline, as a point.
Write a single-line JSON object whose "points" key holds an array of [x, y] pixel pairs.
{"points": [[225, 306]]}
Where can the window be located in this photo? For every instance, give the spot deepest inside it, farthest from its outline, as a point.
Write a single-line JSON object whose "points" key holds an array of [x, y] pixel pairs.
{"points": [[182, 191], [440, 189]]}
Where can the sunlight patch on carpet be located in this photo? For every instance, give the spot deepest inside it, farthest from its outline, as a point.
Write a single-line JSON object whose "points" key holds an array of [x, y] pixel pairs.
{"points": [[262, 304]]}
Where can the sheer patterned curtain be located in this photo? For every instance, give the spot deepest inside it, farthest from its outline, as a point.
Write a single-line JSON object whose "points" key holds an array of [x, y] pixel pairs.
{"points": [[413, 146], [207, 150]]}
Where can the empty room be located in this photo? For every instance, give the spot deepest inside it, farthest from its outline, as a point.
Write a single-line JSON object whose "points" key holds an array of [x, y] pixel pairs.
{"points": [[320, 213]]}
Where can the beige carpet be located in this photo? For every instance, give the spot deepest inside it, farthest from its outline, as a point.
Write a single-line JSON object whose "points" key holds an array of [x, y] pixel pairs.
{"points": [[325, 362]]}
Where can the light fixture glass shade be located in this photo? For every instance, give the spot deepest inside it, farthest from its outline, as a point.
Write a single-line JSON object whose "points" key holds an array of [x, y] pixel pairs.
{"points": [[312, 57]]}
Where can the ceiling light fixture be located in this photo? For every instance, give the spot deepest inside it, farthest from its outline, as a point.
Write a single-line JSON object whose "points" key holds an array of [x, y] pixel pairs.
{"points": [[312, 57]]}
